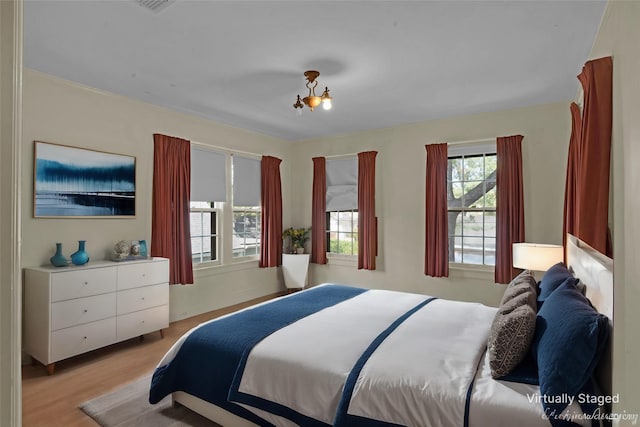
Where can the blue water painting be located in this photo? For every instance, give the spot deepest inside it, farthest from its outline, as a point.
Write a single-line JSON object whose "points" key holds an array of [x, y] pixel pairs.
{"points": [[77, 182]]}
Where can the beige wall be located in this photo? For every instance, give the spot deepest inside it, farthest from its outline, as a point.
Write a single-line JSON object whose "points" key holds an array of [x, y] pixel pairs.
{"points": [[618, 37], [62, 112], [400, 169]]}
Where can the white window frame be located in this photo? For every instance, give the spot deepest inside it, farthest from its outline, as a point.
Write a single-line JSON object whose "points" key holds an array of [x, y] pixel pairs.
{"points": [[482, 150], [234, 209], [354, 239], [217, 235], [257, 210], [225, 218]]}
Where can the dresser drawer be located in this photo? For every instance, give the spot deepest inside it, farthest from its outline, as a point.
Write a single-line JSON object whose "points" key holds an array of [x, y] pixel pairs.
{"points": [[75, 312], [82, 283], [142, 298], [142, 274], [142, 322], [79, 339]]}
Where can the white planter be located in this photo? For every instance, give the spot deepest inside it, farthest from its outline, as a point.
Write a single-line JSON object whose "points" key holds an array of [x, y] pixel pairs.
{"points": [[294, 270]]}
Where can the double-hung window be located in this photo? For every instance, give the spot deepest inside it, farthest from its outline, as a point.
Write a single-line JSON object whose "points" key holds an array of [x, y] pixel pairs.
{"points": [[471, 199], [205, 242], [342, 206], [208, 194], [246, 206], [225, 206]]}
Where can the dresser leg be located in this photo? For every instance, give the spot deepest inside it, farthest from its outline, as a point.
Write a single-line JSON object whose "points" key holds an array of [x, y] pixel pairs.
{"points": [[50, 368], [161, 333]]}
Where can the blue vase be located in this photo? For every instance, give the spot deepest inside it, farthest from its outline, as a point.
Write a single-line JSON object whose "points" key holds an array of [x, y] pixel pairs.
{"points": [[143, 248], [81, 256], [58, 259]]}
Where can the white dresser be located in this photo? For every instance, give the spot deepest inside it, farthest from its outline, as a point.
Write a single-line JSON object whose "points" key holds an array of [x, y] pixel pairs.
{"points": [[75, 309]]}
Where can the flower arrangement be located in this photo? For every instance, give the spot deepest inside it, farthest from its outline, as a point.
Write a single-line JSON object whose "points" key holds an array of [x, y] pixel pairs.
{"points": [[298, 236]]}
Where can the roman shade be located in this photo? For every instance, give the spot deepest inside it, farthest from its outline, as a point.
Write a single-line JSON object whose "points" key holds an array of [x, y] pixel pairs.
{"points": [[208, 175], [246, 181], [342, 184]]}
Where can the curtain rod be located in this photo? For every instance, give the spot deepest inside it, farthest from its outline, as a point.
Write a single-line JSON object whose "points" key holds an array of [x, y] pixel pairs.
{"points": [[226, 150]]}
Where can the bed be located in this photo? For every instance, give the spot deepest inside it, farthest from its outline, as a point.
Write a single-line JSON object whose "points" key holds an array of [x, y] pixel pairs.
{"points": [[348, 356]]}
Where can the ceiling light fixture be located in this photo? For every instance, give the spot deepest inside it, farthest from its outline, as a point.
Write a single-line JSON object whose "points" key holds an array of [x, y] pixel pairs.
{"points": [[312, 100]]}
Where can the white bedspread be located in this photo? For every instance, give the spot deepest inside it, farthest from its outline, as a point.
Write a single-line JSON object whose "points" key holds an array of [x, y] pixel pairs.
{"points": [[419, 375]]}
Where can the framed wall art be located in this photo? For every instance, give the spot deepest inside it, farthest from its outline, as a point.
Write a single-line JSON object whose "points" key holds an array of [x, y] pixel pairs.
{"points": [[77, 182]]}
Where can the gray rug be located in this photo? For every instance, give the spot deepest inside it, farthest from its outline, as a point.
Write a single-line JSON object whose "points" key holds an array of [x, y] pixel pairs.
{"points": [[129, 406]]}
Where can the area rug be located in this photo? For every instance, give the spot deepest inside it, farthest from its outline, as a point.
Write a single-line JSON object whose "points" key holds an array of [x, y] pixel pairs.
{"points": [[129, 406]]}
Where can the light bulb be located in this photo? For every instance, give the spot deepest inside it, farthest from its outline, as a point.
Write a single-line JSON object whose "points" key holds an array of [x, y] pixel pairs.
{"points": [[326, 104], [298, 112]]}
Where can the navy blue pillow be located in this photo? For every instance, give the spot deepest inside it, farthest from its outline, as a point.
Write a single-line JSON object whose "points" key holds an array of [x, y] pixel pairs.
{"points": [[552, 278], [525, 372], [569, 340]]}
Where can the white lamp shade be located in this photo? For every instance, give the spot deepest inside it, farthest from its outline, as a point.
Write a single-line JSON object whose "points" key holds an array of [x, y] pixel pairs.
{"points": [[535, 256]]}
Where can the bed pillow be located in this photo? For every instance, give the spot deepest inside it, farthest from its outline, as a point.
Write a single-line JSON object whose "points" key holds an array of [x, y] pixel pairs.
{"points": [[553, 278], [512, 330], [570, 337], [525, 372], [524, 282]]}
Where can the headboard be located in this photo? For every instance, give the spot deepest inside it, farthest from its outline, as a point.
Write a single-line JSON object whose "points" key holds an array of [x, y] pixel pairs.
{"points": [[595, 271]]}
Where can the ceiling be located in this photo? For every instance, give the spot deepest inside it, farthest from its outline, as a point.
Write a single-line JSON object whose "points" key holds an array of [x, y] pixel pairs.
{"points": [[386, 62]]}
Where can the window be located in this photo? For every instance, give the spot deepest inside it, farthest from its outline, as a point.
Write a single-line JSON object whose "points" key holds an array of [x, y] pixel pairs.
{"points": [[246, 231], [225, 206], [204, 232], [246, 206], [342, 206], [471, 198], [342, 232]]}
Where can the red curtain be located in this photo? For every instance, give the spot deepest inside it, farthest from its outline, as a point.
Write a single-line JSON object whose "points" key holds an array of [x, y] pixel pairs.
{"points": [[367, 221], [271, 199], [318, 214], [510, 205], [436, 250], [170, 233], [573, 163], [595, 150]]}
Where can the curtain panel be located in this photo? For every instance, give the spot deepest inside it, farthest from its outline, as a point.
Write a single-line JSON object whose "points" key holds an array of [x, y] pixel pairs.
{"points": [[271, 200], [170, 231], [571, 184], [436, 250], [318, 212], [367, 220], [510, 205], [595, 151]]}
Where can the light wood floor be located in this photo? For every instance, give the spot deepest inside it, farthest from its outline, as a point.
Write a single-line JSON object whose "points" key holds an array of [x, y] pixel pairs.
{"points": [[50, 401]]}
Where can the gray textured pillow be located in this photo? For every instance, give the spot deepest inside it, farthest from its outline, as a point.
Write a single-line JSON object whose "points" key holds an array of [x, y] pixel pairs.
{"points": [[511, 334], [513, 327], [524, 282]]}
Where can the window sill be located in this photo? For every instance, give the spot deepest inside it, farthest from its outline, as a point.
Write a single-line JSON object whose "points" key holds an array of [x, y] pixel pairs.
{"points": [[343, 260]]}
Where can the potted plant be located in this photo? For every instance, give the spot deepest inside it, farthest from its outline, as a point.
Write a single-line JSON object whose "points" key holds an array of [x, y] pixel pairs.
{"points": [[298, 237]]}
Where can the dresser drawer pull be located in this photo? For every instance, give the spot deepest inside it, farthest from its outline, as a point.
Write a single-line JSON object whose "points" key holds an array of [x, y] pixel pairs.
{"points": [[85, 283], [85, 311], [84, 338]]}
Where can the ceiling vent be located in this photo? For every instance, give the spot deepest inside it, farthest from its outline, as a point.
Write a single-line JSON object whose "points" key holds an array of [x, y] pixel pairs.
{"points": [[155, 5]]}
